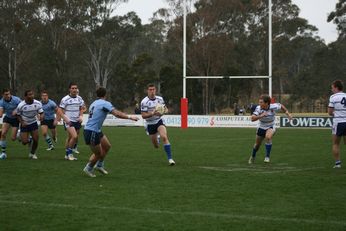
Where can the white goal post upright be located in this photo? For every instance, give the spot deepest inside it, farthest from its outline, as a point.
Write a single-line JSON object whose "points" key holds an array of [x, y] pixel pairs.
{"points": [[184, 101]]}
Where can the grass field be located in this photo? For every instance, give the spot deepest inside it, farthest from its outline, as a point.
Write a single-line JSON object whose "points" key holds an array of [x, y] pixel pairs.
{"points": [[211, 188]]}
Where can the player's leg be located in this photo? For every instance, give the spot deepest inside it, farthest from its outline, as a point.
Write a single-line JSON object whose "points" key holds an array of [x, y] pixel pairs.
{"points": [[153, 139], [151, 130], [75, 146], [336, 150], [14, 133], [3, 143], [52, 128], [260, 134], [96, 152], [338, 130], [35, 137], [93, 140], [25, 137], [53, 131], [72, 137], [268, 137], [105, 146], [44, 131], [167, 146]]}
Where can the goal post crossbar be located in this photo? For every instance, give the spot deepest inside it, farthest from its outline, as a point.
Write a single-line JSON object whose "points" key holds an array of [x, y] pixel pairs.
{"points": [[229, 77], [184, 100]]}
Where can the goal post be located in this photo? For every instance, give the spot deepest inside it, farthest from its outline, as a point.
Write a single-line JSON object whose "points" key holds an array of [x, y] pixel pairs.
{"points": [[184, 100]]}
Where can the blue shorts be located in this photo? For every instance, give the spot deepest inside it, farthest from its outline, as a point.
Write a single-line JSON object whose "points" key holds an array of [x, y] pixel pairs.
{"points": [[14, 122], [76, 125], [48, 123], [152, 128], [29, 128], [262, 132], [92, 138], [339, 129]]}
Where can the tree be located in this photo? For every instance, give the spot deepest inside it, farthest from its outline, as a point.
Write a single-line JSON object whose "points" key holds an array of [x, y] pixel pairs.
{"points": [[339, 18], [16, 19]]}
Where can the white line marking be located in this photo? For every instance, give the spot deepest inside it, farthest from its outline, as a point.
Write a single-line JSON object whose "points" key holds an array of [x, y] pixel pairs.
{"points": [[259, 169], [180, 213]]}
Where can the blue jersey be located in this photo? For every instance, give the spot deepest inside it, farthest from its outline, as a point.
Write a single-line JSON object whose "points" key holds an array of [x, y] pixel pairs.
{"points": [[10, 106], [49, 109], [98, 111]]}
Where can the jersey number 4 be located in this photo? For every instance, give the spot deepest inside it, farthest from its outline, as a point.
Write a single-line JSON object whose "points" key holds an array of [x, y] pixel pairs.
{"points": [[343, 101]]}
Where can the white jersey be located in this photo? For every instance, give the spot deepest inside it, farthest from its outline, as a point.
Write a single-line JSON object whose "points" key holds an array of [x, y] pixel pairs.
{"points": [[72, 106], [338, 102], [148, 105], [269, 120], [29, 112]]}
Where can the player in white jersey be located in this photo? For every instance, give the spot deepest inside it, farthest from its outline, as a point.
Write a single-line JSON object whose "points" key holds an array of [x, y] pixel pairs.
{"points": [[154, 123], [337, 109], [27, 112], [75, 147], [71, 111], [265, 113]]}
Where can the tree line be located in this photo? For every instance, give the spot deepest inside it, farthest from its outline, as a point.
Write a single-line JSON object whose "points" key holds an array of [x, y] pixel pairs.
{"points": [[45, 44]]}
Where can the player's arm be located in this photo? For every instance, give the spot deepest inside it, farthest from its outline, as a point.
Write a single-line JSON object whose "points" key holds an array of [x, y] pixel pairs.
{"points": [[60, 115], [56, 120], [1, 112], [41, 116], [19, 117], [146, 114], [255, 117], [285, 110], [81, 110], [84, 107], [21, 121], [165, 111], [331, 111], [122, 115]]}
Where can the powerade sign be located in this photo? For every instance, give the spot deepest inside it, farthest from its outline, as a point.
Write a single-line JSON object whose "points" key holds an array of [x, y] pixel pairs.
{"points": [[307, 122]]}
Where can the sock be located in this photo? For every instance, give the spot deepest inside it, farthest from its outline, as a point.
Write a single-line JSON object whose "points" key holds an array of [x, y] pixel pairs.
{"points": [[100, 163], [75, 146], [254, 151], [89, 167], [168, 151], [3, 146], [158, 139], [30, 143], [68, 151], [268, 149], [338, 162], [49, 141]]}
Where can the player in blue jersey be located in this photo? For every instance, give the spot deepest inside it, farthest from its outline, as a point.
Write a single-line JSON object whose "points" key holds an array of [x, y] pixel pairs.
{"points": [[93, 136], [27, 113], [155, 125], [49, 122], [265, 113], [337, 109], [8, 104], [71, 111]]}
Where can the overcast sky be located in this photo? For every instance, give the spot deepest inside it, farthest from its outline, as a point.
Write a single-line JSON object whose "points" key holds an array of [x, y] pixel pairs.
{"points": [[315, 11]]}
